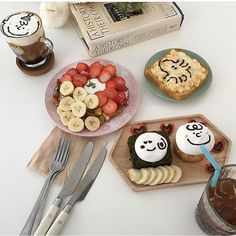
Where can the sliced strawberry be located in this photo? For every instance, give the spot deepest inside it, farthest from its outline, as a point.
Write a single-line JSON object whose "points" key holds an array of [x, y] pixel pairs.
{"points": [[110, 107], [97, 63], [111, 84], [72, 72], [120, 82], [65, 77], [94, 71], [111, 93], [102, 98], [82, 67], [110, 68], [85, 73], [79, 80], [121, 98], [104, 76]]}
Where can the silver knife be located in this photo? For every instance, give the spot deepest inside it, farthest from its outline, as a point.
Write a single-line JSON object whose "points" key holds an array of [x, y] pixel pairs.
{"points": [[80, 193], [68, 189]]}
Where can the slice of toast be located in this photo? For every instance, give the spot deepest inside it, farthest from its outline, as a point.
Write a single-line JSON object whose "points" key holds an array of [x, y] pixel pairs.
{"points": [[177, 74]]}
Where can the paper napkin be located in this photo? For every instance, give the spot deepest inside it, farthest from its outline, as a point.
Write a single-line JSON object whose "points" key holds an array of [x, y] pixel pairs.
{"points": [[42, 157]]}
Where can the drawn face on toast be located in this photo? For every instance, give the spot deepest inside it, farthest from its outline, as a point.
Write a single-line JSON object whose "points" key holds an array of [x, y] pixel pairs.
{"points": [[189, 136], [177, 70], [20, 24], [151, 147]]}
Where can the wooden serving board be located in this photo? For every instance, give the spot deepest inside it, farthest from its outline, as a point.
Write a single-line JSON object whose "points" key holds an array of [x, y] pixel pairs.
{"points": [[192, 172]]}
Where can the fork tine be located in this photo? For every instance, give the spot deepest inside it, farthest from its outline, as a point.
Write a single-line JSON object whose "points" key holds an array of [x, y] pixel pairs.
{"points": [[58, 149], [66, 153], [61, 150]]}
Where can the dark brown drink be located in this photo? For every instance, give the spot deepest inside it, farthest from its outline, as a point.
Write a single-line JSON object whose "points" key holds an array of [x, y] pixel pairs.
{"points": [[216, 210], [32, 53]]}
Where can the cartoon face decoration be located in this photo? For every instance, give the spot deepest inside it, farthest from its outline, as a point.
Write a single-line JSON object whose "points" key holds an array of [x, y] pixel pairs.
{"points": [[20, 24], [189, 136], [151, 147], [178, 70]]}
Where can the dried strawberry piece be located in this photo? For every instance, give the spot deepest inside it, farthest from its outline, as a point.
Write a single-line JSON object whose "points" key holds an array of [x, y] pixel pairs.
{"points": [[218, 146], [168, 129], [141, 129], [209, 168]]}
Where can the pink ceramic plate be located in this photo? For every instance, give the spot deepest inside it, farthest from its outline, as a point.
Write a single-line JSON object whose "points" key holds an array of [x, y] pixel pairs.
{"points": [[116, 122]]}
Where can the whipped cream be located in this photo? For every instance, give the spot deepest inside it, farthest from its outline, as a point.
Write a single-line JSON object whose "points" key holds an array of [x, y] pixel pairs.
{"points": [[191, 135], [151, 147], [94, 85]]}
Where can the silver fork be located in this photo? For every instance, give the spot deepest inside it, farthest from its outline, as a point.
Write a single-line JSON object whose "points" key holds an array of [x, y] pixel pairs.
{"points": [[57, 164]]}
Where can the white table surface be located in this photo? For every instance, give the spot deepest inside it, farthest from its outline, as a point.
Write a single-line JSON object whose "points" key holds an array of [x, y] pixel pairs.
{"points": [[111, 207]]}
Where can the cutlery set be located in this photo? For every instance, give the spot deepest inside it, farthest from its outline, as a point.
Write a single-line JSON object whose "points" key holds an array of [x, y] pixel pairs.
{"points": [[76, 186]]}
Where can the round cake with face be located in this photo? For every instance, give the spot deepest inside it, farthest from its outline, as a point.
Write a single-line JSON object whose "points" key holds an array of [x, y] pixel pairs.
{"points": [[188, 139], [149, 149]]}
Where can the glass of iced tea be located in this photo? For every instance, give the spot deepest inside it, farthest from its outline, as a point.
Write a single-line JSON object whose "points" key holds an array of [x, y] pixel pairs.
{"points": [[216, 210]]}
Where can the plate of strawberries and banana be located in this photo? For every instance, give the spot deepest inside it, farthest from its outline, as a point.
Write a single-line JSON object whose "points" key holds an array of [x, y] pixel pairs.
{"points": [[92, 97]]}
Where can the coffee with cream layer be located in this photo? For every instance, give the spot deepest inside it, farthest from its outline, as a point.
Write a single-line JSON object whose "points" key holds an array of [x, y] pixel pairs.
{"points": [[22, 28]]}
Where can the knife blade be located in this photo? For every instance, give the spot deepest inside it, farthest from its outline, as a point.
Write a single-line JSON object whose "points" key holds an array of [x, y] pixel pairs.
{"points": [[68, 188], [80, 193]]}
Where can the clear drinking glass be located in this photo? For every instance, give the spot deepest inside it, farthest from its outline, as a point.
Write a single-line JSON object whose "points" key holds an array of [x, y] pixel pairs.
{"points": [[24, 33], [216, 210]]}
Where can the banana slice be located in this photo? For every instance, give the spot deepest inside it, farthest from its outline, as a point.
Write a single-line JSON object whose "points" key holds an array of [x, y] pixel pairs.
{"points": [[59, 111], [92, 123], [145, 175], [91, 101], [66, 116], [66, 103], [171, 174], [79, 94], [78, 109], [66, 88], [164, 172], [158, 179], [178, 174], [76, 124], [134, 175], [152, 176]]}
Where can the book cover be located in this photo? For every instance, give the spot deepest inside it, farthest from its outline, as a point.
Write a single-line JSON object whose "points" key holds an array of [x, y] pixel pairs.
{"points": [[103, 27]]}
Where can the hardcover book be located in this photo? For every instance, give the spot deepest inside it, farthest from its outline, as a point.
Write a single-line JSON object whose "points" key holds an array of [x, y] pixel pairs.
{"points": [[103, 27]]}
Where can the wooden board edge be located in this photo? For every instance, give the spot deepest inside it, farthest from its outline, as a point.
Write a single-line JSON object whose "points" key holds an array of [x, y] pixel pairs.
{"points": [[164, 119], [162, 186], [224, 135]]}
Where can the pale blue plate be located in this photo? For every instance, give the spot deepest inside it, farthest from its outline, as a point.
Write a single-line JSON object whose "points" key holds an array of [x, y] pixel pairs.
{"points": [[197, 93]]}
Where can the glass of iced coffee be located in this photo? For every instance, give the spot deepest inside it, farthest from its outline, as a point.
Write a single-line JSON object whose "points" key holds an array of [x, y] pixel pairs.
{"points": [[25, 35], [216, 210]]}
